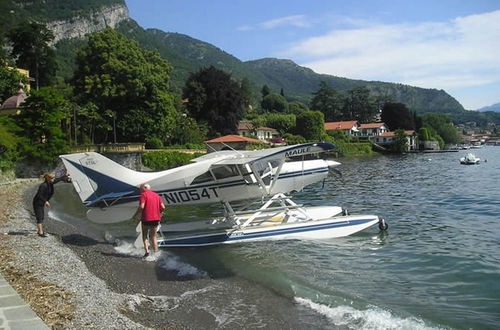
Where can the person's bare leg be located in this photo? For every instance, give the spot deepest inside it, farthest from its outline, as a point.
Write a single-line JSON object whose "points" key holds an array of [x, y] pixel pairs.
{"points": [[145, 230], [39, 228], [154, 238]]}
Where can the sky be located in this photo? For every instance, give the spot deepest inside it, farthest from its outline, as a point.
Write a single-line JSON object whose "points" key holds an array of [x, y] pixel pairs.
{"points": [[452, 45]]}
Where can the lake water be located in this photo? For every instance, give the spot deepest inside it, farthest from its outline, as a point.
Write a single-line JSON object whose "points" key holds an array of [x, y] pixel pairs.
{"points": [[437, 266]]}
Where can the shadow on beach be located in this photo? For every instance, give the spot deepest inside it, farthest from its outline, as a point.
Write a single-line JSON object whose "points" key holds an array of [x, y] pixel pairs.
{"points": [[78, 240]]}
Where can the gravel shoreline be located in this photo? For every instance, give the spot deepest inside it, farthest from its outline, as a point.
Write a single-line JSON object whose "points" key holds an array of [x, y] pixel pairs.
{"points": [[51, 269], [78, 278]]}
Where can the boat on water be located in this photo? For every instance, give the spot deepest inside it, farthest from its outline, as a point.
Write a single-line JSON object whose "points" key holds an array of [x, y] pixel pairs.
{"points": [[470, 159], [265, 178]]}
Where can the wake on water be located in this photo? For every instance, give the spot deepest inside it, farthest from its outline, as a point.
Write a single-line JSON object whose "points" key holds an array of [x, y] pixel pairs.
{"points": [[164, 259], [372, 318]]}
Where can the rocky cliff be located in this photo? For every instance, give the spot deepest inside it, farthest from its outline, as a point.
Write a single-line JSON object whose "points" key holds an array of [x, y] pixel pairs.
{"points": [[79, 26]]}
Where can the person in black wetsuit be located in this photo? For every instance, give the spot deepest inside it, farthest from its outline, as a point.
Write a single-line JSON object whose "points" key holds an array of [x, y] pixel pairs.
{"points": [[42, 197]]}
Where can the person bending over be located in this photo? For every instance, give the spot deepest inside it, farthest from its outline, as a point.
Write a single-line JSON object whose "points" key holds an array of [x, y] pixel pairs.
{"points": [[150, 207], [42, 197]]}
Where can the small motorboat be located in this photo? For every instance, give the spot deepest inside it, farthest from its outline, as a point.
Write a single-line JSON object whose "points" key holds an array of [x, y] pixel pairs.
{"points": [[470, 159]]}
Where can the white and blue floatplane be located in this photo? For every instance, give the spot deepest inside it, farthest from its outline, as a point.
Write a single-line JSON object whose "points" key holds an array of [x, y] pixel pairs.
{"points": [[111, 193]]}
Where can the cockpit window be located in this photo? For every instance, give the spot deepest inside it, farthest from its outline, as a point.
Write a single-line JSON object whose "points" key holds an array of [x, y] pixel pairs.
{"points": [[205, 177], [225, 171]]}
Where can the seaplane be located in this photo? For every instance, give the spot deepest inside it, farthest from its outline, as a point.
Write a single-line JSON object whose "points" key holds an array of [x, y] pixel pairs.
{"points": [[261, 180]]}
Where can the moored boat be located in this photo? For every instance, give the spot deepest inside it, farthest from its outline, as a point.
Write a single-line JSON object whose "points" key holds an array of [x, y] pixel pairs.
{"points": [[470, 159]]}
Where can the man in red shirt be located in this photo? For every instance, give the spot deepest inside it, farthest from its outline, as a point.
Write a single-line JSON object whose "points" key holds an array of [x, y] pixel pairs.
{"points": [[150, 206]]}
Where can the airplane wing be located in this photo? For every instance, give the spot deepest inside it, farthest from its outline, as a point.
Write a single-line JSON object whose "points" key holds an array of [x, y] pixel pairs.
{"points": [[247, 156], [256, 165]]}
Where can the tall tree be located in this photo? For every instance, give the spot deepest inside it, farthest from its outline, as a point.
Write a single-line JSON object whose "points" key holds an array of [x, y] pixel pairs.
{"points": [[30, 45], [397, 116], [265, 91], [42, 119], [128, 85], [274, 103], [442, 125], [359, 105], [9, 82], [311, 125], [216, 99], [400, 144], [246, 88], [329, 101], [282, 122], [296, 107]]}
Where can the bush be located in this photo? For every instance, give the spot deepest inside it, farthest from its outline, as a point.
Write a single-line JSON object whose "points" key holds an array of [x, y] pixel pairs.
{"points": [[163, 160], [256, 146], [350, 149], [293, 139], [154, 143]]}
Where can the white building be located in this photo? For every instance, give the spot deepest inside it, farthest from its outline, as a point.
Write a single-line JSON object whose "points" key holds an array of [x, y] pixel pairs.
{"points": [[387, 138]]}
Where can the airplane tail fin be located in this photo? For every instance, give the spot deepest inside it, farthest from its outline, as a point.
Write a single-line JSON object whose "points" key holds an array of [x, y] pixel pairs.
{"points": [[97, 178]]}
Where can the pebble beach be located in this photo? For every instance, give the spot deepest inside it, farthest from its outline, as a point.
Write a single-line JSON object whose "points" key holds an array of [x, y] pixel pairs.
{"points": [[49, 276], [78, 279]]}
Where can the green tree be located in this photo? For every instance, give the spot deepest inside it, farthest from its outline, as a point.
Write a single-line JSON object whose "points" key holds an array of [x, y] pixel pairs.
{"points": [[329, 101], [338, 135], [128, 85], [294, 139], [283, 123], [424, 135], [359, 105], [265, 91], [274, 103], [215, 99], [8, 144], [400, 144], [189, 131], [381, 99], [9, 82], [397, 116], [246, 88], [30, 45], [443, 127], [296, 107], [42, 119], [311, 125]]}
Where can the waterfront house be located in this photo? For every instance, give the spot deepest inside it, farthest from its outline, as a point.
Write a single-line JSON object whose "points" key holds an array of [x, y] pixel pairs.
{"points": [[350, 128], [262, 133], [387, 138], [367, 131]]}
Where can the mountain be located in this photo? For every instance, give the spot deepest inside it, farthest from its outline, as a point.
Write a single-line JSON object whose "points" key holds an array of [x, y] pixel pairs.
{"points": [[71, 20], [495, 108]]}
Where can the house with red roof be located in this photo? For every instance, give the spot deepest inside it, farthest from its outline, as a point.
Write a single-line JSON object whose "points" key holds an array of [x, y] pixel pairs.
{"points": [[350, 128], [231, 142], [387, 138], [262, 133], [372, 129]]}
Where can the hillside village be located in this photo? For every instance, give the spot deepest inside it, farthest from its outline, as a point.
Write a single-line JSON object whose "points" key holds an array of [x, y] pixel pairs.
{"points": [[169, 91]]}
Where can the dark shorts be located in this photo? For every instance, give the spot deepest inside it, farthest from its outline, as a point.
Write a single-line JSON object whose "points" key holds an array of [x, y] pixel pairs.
{"points": [[150, 223], [39, 212]]}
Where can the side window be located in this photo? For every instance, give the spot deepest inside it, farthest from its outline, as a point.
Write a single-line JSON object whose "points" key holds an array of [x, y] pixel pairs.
{"points": [[225, 171], [205, 177]]}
